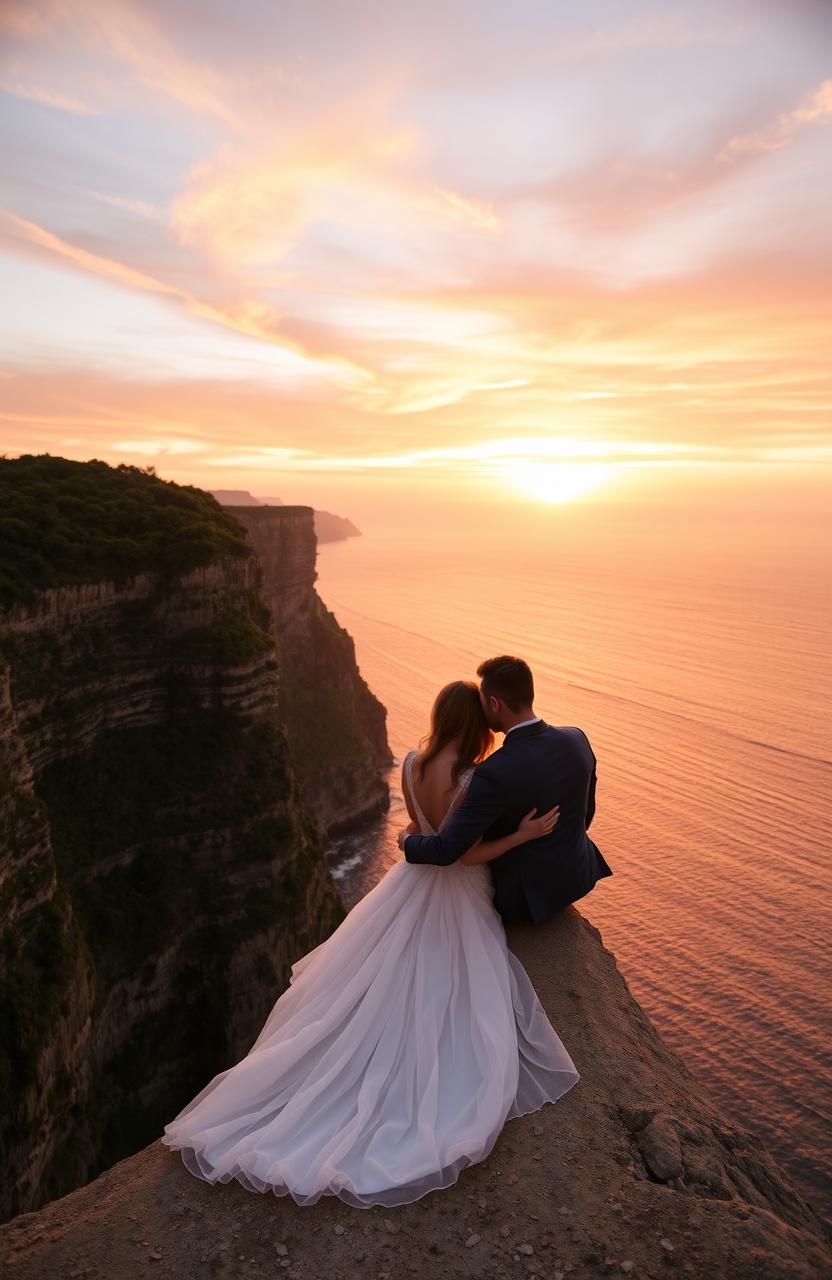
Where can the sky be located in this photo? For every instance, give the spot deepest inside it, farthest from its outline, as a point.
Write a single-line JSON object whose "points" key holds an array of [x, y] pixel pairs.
{"points": [[332, 250]]}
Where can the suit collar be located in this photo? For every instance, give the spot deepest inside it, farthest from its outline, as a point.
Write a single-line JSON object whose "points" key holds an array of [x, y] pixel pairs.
{"points": [[525, 731]]}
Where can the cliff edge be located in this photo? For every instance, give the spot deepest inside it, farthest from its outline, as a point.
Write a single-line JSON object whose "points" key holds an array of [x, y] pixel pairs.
{"points": [[634, 1172]]}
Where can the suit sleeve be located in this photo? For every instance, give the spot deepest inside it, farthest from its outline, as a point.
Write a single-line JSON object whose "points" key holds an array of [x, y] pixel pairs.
{"points": [[590, 800], [484, 802], [590, 804]]}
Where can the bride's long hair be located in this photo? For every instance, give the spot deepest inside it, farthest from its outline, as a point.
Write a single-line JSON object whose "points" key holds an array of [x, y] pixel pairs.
{"points": [[457, 715]]}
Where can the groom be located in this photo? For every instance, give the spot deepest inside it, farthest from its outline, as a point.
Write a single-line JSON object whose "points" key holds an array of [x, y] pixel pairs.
{"points": [[538, 766]]}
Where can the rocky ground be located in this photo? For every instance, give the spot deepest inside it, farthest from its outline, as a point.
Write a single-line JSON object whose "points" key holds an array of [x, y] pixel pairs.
{"points": [[634, 1172]]}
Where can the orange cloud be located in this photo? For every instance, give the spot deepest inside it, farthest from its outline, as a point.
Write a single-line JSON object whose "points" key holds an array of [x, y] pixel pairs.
{"points": [[347, 166]]}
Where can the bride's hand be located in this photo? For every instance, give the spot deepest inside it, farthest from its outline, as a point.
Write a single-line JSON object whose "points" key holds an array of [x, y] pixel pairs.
{"points": [[412, 829], [532, 828]]}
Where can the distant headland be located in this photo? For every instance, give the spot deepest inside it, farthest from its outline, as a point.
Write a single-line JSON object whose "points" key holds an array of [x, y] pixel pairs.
{"points": [[328, 526]]}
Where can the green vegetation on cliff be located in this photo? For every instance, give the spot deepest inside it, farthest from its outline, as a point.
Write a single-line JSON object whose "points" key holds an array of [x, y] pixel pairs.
{"points": [[64, 522]]}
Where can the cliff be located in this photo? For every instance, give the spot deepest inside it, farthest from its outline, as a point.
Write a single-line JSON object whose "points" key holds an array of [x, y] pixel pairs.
{"points": [[159, 871], [634, 1172], [328, 526], [335, 725]]}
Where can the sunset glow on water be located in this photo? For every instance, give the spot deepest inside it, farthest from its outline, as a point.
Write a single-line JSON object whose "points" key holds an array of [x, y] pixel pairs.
{"points": [[694, 652]]}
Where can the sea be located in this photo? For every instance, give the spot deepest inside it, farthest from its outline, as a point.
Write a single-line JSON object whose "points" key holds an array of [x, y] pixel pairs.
{"points": [[694, 649]]}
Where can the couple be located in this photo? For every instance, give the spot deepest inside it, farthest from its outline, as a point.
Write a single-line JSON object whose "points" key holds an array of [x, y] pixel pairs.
{"points": [[406, 1040]]}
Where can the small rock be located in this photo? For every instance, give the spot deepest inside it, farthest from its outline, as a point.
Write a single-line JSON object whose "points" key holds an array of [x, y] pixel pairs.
{"points": [[505, 1232], [626, 1266], [389, 1225], [660, 1146], [537, 1130], [338, 1229], [281, 1249], [483, 1204], [155, 1255], [666, 1244], [564, 1209], [635, 1118], [472, 1240], [525, 1248]]}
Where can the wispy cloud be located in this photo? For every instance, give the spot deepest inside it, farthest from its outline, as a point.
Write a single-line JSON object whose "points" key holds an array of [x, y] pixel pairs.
{"points": [[815, 109], [250, 317], [48, 97], [494, 455], [142, 207]]}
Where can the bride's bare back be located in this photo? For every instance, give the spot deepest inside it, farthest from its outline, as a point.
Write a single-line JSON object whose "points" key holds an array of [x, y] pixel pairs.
{"points": [[434, 790]]}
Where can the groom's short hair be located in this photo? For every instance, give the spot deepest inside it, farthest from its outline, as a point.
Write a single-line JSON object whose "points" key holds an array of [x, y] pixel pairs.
{"points": [[509, 679]]}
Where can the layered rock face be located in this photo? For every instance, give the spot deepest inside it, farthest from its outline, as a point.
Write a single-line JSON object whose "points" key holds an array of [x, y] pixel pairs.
{"points": [[159, 871], [635, 1171], [336, 726]]}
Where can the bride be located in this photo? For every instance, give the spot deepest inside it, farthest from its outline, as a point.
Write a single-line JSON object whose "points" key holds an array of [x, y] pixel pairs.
{"points": [[406, 1039]]}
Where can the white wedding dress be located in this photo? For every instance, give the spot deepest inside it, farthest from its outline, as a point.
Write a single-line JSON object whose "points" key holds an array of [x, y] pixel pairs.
{"points": [[393, 1059]]}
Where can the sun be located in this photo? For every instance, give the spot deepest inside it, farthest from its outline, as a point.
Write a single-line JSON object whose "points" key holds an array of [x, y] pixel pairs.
{"points": [[556, 481]]}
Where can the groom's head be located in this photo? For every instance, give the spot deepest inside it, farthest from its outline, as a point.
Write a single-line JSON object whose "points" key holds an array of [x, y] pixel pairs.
{"points": [[506, 691]]}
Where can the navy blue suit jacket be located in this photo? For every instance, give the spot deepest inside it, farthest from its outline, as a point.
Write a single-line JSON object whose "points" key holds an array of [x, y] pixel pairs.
{"points": [[538, 766]]}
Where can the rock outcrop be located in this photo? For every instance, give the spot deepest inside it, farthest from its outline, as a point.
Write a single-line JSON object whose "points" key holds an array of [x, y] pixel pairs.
{"points": [[635, 1172], [159, 870], [336, 726]]}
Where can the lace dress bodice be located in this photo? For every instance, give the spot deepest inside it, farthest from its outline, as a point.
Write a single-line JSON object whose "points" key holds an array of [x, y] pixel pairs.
{"points": [[425, 827]]}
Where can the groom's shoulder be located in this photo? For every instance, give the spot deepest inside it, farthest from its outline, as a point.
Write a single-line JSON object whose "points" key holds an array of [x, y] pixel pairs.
{"points": [[578, 736], [562, 736]]}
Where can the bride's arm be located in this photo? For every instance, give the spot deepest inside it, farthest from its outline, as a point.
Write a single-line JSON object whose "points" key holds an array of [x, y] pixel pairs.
{"points": [[412, 826], [531, 828]]}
